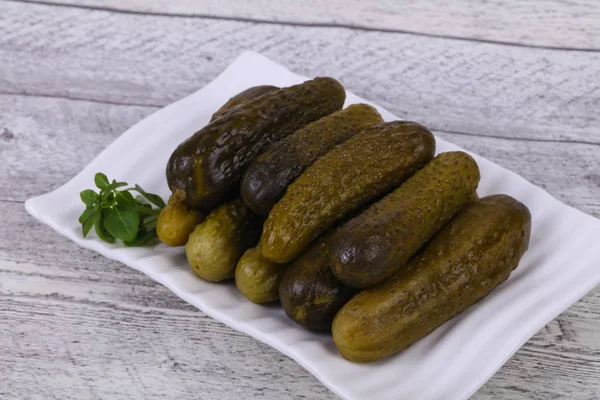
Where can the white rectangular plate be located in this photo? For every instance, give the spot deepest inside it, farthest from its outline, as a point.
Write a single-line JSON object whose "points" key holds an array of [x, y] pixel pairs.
{"points": [[561, 266]]}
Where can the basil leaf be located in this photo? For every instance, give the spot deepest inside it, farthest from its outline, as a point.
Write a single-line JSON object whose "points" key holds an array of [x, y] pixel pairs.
{"points": [[115, 185], [89, 197], [152, 198], [116, 214], [101, 230], [101, 180], [107, 197], [124, 197], [87, 214], [122, 222], [87, 225], [143, 239]]}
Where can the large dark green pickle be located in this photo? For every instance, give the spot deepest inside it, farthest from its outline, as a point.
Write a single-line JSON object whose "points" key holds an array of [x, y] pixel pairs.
{"points": [[208, 166], [309, 292], [176, 221], [372, 246], [243, 97], [269, 175], [363, 168], [472, 255]]}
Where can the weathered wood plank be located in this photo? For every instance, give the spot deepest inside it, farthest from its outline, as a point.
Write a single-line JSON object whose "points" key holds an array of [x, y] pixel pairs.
{"points": [[449, 85], [156, 345], [123, 353], [75, 275], [126, 337], [122, 303], [43, 142], [48, 140], [556, 23]]}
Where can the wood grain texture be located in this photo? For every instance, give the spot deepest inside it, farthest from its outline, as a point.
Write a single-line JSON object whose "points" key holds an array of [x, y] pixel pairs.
{"points": [[89, 328], [123, 336], [45, 128], [554, 24], [73, 324], [100, 294], [448, 85]]}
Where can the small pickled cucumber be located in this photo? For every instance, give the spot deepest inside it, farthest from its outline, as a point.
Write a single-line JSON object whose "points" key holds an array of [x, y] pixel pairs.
{"points": [[215, 246], [372, 246], [472, 255], [363, 168], [176, 221], [258, 278]]}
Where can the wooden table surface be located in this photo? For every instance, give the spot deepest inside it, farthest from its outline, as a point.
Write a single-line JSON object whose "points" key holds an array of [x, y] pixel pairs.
{"points": [[517, 82]]}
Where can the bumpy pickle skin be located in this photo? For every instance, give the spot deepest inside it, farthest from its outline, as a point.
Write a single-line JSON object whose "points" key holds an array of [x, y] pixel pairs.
{"points": [[372, 246], [176, 221], [216, 245], [366, 166], [209, 165], [472, 255], [269, 175]]}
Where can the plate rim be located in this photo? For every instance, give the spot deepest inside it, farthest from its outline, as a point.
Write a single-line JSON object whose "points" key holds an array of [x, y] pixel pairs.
{"points": [[33, 208]]}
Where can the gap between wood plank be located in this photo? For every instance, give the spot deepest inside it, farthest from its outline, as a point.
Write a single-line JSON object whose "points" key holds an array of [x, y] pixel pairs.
{"points": [[157, 106], [64, 97], [300, 24], [520, 139]]}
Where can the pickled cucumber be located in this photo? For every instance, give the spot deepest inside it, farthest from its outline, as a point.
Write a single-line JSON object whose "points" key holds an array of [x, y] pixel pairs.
{"points": [[176, 221], [215, 246], [208, 166], [258, 278], [473, 254], [366, 166], [243, 97], [309, 292], [267, 178], [372, 246]]}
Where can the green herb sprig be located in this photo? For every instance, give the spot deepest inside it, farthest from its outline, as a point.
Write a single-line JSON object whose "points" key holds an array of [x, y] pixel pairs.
{"points": [[116, 214]]}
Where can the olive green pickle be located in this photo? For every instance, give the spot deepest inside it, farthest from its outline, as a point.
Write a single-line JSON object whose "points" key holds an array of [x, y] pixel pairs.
{"points": [[360, 170], [369, 248], [472, 255], [269, 175], [215, 246]]}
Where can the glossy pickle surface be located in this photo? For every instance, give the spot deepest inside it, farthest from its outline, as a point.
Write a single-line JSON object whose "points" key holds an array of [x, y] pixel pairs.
{"points": [[268, 176], [366, 166], [473, 254], [208, 166], [369, 248]]}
